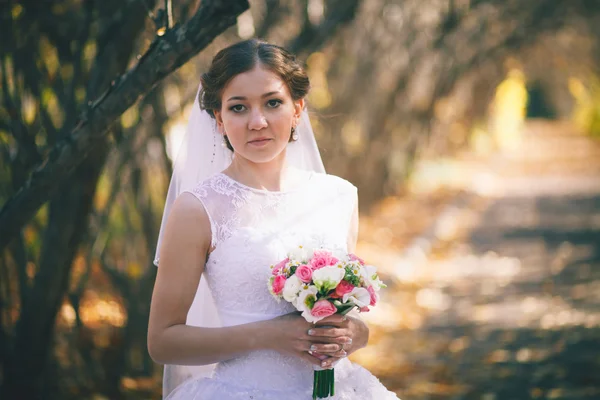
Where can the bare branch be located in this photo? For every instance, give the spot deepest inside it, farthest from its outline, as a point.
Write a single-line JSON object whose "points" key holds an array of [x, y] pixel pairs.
{"points": [[274, 11], [83, 35], [169, 16], [311, 38], [166, 54]]}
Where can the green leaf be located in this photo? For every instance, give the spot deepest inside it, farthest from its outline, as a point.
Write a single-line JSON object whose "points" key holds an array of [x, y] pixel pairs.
{"points": [[345, 308], [347, 311]]}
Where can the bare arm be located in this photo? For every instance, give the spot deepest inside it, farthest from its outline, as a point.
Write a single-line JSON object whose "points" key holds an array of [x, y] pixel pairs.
{"points": [[183, 254]]}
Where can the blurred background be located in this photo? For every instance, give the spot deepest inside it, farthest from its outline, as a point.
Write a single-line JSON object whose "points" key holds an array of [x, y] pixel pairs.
{"points": [[471, 128]]}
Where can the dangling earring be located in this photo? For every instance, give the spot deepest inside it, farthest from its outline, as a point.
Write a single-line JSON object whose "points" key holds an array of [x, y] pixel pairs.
{"points": [[224, 141], [294, 134]]}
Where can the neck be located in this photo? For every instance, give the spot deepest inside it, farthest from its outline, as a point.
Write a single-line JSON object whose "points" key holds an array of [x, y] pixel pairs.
{"points": [[271, 176]]}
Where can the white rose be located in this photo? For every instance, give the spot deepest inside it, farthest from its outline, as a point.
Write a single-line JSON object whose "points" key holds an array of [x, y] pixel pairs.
{"points": [[291, 288], [327, 278], [359, 296], [340, 254], [300, 253], [306, 299]]}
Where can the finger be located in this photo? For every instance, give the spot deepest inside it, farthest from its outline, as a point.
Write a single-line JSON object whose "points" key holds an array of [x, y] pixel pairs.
{"points": [[302, 345], [320, 356], [326, 348], [340, 354], [343, 340], [327, 332], [328, 363], [335, 319], [311, 358], [324, 361], [341, 343]]}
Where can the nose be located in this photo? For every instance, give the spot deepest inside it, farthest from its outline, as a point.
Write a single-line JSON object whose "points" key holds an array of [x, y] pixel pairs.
{"points": [[257, 120]]}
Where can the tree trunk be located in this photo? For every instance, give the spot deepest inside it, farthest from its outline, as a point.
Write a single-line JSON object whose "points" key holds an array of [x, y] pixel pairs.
{"points": [[67, 224], [68, 214]]}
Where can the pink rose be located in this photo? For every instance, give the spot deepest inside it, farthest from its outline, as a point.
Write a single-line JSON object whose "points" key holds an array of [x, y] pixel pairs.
{"points": [[304, 273], [354, 257], [322, 258], [373, 294], [322, 309], [279, 266], [342, 288], [278, 284]]}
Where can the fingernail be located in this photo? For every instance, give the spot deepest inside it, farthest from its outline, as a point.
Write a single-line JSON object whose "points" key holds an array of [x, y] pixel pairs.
{"points": [[311, 332], [344, 354], [324, 364], [349, 341], [313, 347]]}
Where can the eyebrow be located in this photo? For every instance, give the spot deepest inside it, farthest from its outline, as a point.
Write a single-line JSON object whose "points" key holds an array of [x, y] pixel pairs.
{"points": [[243, 98]]}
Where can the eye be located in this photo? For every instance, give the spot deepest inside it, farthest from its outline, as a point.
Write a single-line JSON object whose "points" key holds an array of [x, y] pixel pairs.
{"points": [[237, 108], [274, 103]]}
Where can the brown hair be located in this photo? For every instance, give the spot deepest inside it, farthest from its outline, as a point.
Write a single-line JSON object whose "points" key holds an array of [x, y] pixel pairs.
{"points": [[243, 57]]}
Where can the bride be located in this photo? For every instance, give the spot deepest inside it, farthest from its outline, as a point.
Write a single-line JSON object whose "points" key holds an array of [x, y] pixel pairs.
{"points": [[247, 187]]}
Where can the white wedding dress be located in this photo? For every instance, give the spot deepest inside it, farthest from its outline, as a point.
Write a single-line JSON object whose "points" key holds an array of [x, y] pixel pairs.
{"points": [[252, 229]]}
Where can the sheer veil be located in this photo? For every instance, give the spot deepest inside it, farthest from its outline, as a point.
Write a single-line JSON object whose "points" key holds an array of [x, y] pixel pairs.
{"points": [[201, 156]]}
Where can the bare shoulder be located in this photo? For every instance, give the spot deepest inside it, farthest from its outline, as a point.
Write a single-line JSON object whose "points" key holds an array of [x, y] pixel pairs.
{"points": [[187, 234], [187, 205]]}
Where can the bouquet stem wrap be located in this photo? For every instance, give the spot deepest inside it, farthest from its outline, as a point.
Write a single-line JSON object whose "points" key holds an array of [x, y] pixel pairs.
{"points": [[324, 383], [324, 380]]}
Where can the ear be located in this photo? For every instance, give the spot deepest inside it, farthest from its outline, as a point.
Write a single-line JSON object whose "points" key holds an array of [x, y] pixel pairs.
{"points": [[298, 107], [219, 119]]}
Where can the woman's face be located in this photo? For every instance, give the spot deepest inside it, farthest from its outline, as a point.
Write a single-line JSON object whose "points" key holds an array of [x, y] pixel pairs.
{"points": [[257, 114]]}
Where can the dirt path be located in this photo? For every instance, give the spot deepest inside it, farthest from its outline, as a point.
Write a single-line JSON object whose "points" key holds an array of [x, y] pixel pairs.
{"points": [[500, 297]]}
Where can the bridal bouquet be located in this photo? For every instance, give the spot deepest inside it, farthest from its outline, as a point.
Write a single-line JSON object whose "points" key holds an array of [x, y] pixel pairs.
{"points": [[319, 284]]}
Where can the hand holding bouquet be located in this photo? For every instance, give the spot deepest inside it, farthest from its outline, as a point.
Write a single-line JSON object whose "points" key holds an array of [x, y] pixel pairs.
{"points": [[319, 284]]}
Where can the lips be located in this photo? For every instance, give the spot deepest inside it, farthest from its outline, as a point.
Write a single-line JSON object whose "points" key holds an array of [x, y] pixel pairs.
{"points": [[260, 141]]}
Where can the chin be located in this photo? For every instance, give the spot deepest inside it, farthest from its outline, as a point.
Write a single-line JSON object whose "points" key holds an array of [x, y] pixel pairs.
{"points": [[261, 157]]}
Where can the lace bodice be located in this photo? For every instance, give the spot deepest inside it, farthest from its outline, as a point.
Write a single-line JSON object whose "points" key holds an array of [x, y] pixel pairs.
{"points": [[253, 229]]}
